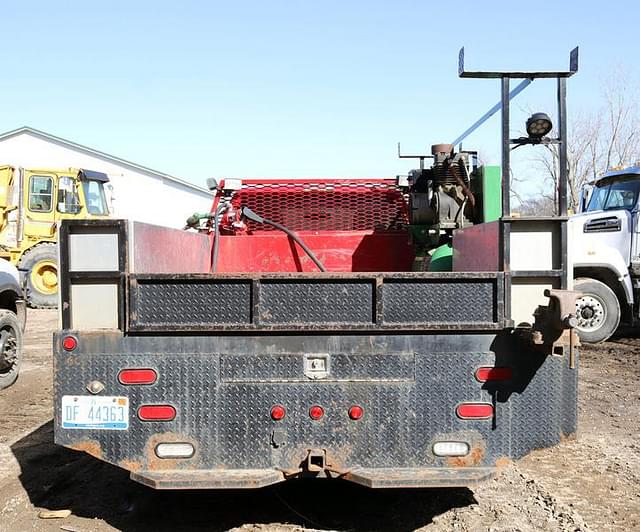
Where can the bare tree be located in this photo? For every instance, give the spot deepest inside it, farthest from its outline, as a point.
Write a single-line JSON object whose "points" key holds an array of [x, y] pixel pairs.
{"points": [[606, 137]]}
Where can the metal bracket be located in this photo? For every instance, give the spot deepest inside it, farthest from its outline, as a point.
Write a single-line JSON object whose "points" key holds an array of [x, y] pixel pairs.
{"points": [[554, 328], [573, 68], [317, 365]]}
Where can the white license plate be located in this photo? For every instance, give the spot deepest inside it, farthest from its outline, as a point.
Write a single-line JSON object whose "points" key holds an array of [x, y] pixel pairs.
{"points": [[93, 412]]}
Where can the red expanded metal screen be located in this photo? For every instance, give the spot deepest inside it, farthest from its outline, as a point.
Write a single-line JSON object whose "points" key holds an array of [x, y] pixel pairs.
{"points": [[326, 205]]}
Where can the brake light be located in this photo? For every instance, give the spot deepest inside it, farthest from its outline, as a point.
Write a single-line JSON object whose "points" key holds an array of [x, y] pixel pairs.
{"points": [[69, 343], [474, 411], [278, 412], [137, 376], [356, 412], [493, 374], [156, 413], [316, 412]]}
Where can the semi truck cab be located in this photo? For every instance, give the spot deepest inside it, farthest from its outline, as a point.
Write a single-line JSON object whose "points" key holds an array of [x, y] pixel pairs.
{"points": [[605, 248]]}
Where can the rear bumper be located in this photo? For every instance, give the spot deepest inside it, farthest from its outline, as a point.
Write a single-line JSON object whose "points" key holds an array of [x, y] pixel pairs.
{"points": [[409, 385], [371, 478]]}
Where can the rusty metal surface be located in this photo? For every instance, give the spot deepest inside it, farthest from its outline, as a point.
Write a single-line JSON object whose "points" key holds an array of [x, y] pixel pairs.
{"points": [[466, 245], [316, 302], [373, 367], [409, 385], [228, 479], [420, 477]]}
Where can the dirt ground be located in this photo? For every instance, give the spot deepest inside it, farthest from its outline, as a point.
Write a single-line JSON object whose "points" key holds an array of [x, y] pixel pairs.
{"points": [[591, 483]]}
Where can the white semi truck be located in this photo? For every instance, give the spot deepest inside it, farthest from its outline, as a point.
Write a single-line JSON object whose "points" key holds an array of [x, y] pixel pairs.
{"points": [[605, 249]]}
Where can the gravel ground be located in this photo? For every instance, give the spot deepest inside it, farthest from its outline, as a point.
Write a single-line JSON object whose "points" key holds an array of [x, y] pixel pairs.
{"points": [[591, 483]]}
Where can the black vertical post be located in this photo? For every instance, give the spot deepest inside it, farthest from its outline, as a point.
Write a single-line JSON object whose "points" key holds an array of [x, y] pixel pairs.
{"points": [[563, 179], [562, 136], [506, 163]]}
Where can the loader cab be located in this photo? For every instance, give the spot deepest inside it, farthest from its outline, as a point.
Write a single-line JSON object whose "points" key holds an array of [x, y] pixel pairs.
{"points": [[53, 195]]}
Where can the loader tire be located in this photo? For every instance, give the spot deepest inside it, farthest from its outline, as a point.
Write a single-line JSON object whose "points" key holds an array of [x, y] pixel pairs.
{"points": [[39, 265], [597, 311], [10, 348]]}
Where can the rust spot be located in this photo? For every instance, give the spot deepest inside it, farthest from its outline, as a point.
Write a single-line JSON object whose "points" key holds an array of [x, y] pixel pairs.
{"points": [[91, 447], [475, 456], [503, 462], [130, 465]]}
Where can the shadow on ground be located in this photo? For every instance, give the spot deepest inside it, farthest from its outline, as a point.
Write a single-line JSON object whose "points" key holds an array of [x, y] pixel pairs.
{"points": [[57, 478]]}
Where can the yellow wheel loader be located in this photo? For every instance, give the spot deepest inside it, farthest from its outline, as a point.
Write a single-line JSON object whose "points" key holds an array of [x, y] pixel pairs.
{"points": [[32, 202]]}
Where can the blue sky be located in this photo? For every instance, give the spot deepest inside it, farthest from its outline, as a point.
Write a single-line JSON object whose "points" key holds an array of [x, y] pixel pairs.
{"points": [[282, 89]]}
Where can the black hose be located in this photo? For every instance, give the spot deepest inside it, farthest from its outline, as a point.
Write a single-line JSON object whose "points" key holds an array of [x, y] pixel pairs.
{"points": [[311, 254], [248, 213]]}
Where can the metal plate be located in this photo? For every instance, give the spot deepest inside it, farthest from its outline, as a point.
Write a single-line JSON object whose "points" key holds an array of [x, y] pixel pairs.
{"points": [[316, 302], [223, 388], [91, 412]]}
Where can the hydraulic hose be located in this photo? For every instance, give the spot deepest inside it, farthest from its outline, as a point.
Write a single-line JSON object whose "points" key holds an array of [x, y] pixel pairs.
{"points": [[248, 213], [216, 236]]}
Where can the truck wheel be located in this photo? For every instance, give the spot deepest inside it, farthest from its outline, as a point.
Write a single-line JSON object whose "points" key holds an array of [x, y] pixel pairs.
{"points": [[597, 311], [10, 348], [40, 267]]}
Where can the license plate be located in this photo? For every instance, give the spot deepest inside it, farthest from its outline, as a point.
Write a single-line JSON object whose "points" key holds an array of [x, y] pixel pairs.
{"points": [[92, 412]]}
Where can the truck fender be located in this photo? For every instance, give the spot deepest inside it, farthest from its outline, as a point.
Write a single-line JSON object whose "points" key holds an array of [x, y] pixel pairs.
{"points": [[616, 267]]}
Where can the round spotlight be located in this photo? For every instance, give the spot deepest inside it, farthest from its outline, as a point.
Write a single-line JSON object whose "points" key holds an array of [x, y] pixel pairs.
{"points": [[538, 125]]}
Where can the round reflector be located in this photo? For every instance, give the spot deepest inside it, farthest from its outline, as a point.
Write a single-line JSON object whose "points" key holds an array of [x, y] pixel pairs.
{"points": [[493, 374], [156, 413], [278, 412], [475, 411], [356, 412], [137, 376], [316, 412], [69, 343]]}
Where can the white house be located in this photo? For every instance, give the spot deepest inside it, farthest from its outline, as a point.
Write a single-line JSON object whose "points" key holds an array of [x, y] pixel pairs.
{"points": [[137, 192]]}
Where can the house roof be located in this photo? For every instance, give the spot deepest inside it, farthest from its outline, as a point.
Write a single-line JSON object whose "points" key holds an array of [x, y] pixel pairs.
{"points": [[74, 145]]}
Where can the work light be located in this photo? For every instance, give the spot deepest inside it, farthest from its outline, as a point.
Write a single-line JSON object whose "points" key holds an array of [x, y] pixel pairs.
{"points": [[538, 125]]}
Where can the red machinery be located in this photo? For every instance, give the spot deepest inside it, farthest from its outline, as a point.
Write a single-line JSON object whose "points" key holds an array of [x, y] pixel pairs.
{"points": [[351, 226]]}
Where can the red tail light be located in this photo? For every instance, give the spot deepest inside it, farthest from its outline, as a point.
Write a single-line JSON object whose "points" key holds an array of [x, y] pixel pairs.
{"points": [[137, 376], [316, 412], [493, 374], [475, 411], [278, 412], [156, 413], [69, 343], [356, 412]]}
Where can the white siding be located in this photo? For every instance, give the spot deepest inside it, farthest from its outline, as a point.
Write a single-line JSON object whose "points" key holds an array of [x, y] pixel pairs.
{"points": [[137, 194]]}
